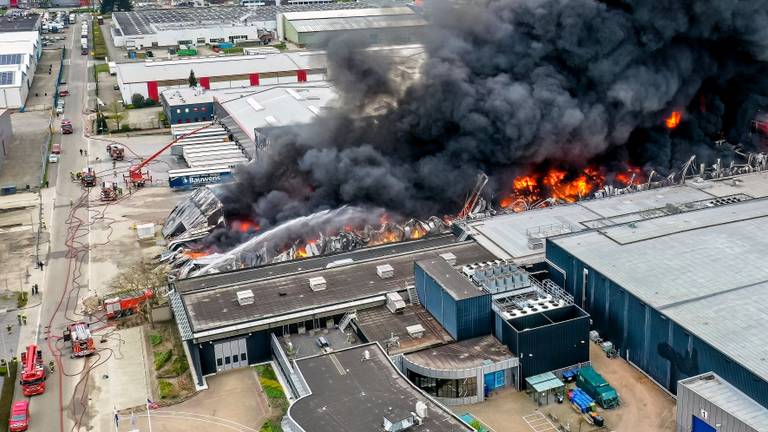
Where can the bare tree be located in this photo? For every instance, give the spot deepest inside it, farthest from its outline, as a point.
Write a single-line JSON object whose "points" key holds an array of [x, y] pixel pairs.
{"points": [[116, 112], [139, 277]]}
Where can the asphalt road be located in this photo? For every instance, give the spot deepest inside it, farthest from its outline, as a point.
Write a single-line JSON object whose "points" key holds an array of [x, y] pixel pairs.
{"points": [[66, 404]]}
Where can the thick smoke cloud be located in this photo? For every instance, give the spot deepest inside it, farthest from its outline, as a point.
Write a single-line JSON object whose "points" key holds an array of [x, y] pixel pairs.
{"points": [[509, 85]]}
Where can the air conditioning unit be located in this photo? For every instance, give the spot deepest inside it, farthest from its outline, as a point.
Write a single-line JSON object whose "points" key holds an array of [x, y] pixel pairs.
{"points": [[451, 258], [385, 271], [245, 297], [317, 283], [415, 331]]}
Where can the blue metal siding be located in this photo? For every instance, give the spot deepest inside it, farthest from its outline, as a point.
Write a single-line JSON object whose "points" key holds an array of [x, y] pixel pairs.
{"points": [[657, 345], [259, 347], [179, 114], [474, 317]]}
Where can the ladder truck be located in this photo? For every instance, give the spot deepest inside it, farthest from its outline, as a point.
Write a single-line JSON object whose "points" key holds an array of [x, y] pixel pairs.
{"points": [[139, 178], [79, 335], [34, 373]]}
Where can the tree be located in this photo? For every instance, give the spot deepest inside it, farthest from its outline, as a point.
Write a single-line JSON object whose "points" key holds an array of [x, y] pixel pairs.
{"points": [[101, 123], [116, 112], [192, 79], [137, 100], [139, 277]]}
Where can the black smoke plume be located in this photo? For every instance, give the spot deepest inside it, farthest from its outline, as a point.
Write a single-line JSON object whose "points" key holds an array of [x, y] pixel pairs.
{"points": [[509, 85]]}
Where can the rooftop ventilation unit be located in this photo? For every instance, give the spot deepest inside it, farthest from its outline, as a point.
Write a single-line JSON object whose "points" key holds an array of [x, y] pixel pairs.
{"points": [[415, 331], [385, 271], [245, 297], [395, 302], [449, 257], [317, 283]]}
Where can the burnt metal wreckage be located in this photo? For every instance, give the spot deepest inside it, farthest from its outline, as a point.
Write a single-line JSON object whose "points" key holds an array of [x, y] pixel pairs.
{"points": [[195, 218]]}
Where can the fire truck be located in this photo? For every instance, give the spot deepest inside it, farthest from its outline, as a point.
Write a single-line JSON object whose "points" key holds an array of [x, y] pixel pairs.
{"points": [[79, 334], [33, 374], [110, 191], [126, 303], [88, 177], [116, 151]]}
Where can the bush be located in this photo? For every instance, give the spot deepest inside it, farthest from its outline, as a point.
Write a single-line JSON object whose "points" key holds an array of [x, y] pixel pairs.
{"points": [[179, 365], [166, 389], [137, 100], [125, 128], [149, 102], [271, 426], [21, 299], [155, 339], [161, 358]]}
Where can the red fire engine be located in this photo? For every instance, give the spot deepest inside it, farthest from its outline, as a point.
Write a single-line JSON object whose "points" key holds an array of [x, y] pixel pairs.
{"points": [[79, 334], [127, 303], [33, 374]]}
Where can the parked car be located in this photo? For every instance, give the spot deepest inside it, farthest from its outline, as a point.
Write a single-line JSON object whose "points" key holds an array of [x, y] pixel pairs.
{"points": [[56, 149], [116, 87], [63, 91], [53, 158], [19, 420], [60, 107]]}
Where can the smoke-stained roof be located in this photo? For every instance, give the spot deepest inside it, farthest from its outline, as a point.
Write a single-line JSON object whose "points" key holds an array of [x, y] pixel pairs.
{"points": [[703, 269]]}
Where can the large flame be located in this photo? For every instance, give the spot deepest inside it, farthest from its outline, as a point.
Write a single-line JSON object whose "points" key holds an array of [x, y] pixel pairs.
{"points": [[674, 119], [245, 226], [558, 185]]}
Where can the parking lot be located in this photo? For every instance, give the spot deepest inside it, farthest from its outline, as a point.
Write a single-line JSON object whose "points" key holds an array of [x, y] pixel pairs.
{"points": [[23, 163]]}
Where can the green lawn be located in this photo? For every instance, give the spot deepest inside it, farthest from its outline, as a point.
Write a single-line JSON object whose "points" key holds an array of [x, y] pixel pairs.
{"points": [[102, 68]]}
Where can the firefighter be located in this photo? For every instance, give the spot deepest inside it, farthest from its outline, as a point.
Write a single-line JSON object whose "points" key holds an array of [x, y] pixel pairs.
{"points": [[18, 318], [23, 319], [81, 152], [51, 365], [9, 327]]}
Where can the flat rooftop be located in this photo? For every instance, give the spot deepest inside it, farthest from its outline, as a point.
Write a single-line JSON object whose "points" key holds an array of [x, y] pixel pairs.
{"points": [[507, 236], [350, 395], [730, 399], [466, 354], [454, 283], [152, 21], [704, 269], [379, 324], [16, 23], [211, 305]]}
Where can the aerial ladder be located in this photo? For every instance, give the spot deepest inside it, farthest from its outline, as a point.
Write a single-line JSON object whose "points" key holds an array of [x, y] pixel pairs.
{"points": [[33, 375], [138, 177]]}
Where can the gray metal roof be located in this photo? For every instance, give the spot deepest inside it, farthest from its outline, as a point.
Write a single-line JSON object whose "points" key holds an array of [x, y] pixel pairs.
{"points": [[466, 354], [705, 269], [719, 392], [455, 283], [357, 23], [352, 395], [214, 308], [507, 235]]}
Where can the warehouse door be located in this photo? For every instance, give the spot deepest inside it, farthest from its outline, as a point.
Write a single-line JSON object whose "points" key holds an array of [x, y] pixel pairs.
{"points": [[231, 354], [700, 426]]}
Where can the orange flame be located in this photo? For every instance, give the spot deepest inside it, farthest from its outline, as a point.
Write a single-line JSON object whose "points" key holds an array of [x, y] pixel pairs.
{"points": [[196, 254], [674, 119], [245, 226]]}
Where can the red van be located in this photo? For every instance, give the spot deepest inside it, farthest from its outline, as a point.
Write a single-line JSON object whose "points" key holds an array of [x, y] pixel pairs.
{"points": [[56, 149], [19, 420]]}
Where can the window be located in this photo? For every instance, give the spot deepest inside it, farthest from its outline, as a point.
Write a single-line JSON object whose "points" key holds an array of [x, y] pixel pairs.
{"points": [[226, 360], [242, 357], [186, 110], [445, 388], [194, 109], [178, 110], [234, 358], [202, 109], [219, 362], [201, 40]]}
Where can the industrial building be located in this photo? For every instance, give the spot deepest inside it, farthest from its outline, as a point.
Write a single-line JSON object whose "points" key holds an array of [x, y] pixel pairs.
{"points": [[251, 117], [707, 403], [19, 21], [199, 26], [385, 26], [187, 105], [19, 53], [150, 78]]}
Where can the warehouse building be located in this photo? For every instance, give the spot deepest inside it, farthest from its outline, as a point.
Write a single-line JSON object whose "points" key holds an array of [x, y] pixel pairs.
{"points": [[377, 26], [200, 26], [359, 389], [19, 53], [252, 117], [695, 281], [19, 21], [150, 78]]}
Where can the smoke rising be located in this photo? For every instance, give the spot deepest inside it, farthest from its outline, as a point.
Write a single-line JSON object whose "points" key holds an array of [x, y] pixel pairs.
{"points": [[508, 85]]}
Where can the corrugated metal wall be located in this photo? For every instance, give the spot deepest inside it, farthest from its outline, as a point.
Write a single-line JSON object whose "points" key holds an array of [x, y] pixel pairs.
{"points": [[463, 319], [644, 336], [690, 404]]}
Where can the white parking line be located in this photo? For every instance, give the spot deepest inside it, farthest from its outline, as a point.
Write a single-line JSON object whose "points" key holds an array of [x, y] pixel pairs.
{"points": [[539, 423]]}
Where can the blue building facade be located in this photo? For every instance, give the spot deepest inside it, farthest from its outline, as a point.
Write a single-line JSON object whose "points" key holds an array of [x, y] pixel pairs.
{"points": [[187, 113], [464, 317], [643, 335], [546, 341]]}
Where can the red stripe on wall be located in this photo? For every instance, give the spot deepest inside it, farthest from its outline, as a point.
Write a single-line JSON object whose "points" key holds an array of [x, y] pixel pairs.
{"points": [[152, 91], [254, 77], [205, 82], [14, 3], [301, 75]]}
